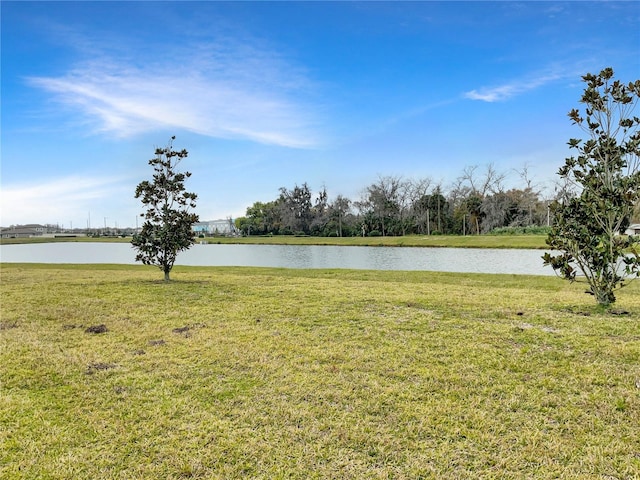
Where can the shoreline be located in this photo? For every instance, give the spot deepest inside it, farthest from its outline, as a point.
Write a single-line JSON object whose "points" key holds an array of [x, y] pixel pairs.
{"points": [[537, 242]]}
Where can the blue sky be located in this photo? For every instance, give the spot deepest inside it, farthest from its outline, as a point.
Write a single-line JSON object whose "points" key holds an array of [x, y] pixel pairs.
{"points": [[266, 95]]}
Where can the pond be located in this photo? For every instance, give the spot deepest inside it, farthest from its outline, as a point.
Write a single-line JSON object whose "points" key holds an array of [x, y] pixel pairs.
{"points": [[474, 260]]}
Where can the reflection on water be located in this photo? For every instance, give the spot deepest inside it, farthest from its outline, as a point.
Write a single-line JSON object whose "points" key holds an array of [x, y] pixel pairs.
{"points": [[478, 260]]}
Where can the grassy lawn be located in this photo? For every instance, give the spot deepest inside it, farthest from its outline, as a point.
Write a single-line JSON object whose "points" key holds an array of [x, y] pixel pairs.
{"points": [[229, 373], [453, 241]]}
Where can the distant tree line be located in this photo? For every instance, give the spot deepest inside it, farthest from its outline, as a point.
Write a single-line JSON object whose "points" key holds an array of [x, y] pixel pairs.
{"points": [[476, 202]]}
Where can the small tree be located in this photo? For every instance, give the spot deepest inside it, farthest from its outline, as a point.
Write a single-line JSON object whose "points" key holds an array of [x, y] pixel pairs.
{"points": [[167, 227], [589, 227]]}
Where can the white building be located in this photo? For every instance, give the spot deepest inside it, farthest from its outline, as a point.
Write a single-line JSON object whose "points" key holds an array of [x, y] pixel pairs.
{"points": [[216, 227], [634, 229], [24, 231]]}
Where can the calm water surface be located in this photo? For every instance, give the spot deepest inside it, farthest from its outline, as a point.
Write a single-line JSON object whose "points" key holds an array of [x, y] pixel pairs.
{"points": [[479, 260]]}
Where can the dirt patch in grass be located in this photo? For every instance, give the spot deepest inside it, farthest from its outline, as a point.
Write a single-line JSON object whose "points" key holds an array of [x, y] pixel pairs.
{"points": [[98, 367], [186, 330], [102, 328]]}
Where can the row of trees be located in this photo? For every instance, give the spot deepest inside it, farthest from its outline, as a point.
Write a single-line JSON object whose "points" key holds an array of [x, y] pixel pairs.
{"points": [[595, 205], [476, 203]]}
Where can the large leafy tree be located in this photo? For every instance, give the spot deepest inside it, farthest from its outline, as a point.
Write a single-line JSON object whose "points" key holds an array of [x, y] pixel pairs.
{"points": [[296, 209], [338, 212], [381, 204], [589, 227], [261, 218], [167, 227]]}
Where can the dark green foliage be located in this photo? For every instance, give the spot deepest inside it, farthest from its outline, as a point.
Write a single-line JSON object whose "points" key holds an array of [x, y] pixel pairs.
{"points": [[296, 209], [589, 226], [167, 227]]}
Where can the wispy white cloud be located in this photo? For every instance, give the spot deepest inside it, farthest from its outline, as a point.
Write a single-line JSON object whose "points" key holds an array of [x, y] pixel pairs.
{"points": [[236, 92], [512, 89], [62, 198]]}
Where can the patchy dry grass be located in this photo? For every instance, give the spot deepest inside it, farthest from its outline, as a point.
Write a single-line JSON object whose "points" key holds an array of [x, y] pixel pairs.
{"points": [[266, 373]]}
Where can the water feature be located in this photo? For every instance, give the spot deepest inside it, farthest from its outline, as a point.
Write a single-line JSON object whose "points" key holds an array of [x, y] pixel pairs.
{"points": [[480, 260]]}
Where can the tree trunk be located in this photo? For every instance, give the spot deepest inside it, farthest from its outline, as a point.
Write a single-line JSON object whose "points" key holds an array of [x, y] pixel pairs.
{"points": [[428, 226], [166, 276], [604, 296]]}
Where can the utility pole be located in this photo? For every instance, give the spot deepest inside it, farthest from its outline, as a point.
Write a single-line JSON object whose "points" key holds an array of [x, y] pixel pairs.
{"points": [[548, 215]]}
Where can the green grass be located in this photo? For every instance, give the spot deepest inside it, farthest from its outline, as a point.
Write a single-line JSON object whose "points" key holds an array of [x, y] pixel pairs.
{"points": [[453, 241], [313, 374]]}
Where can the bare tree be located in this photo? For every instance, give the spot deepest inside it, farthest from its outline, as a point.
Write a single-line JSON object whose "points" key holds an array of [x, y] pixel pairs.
{"points": [[532, 191], [481, 184], [404, 196]]}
